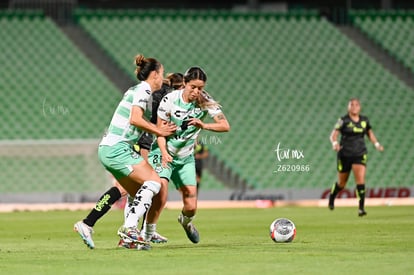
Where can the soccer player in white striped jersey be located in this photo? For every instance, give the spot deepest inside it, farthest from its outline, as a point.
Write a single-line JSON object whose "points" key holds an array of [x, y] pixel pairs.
{"points": [[172, 157], [117, 155]]}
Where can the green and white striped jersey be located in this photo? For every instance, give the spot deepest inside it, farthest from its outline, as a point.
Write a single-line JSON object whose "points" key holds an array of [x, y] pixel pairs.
{"points": [[173, 108], [120, 128]]}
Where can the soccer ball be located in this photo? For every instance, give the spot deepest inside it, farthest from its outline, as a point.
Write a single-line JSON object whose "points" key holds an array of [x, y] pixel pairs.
{"points": [[282, 230]]}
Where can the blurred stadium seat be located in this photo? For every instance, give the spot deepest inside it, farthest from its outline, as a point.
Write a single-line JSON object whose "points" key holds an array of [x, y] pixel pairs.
{"points": [[50, 93], [283, 80], [393, 30]]}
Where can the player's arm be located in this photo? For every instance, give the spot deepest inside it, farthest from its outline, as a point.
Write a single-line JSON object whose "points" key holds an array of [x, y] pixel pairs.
{"points": [[374, 140], [333, 137], [162, 144], [156, 100], [163, 118], [137, 119], [220, 123]]}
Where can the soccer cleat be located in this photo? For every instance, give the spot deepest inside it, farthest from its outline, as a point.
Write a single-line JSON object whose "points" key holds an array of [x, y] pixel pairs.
{"points": [[190, 230], [125, 244], [331, 202], [129, 234], [85, 232], [157, 238], [361, 212], [144, 247]]}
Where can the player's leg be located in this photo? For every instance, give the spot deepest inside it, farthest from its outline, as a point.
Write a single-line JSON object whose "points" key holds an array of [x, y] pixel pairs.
{"points": [[142, 147], [149, 231], [185, 180], [136, 176], [107, 199], [128, 198], [142, 201], [123, 201], [359, 170], [121, 230], [189, 197], [198, 183], [144, 153], [84, 227], [343, 168], [199, 172]]}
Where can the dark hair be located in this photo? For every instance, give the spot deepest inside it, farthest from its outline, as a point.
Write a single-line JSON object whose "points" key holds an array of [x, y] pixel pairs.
{"points": [[195, 73], [145, 66], [175, 80]]}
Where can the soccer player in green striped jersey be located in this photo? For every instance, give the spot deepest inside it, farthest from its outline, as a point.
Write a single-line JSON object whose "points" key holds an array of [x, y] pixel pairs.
{"points": [[173, 81], [172, 157], [117, 155]]}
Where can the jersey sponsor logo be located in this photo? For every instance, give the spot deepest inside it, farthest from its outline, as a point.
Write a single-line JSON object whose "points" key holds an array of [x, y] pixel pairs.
{"points": [[355, 128], [179, 113], [358, 130], [186, 114]]}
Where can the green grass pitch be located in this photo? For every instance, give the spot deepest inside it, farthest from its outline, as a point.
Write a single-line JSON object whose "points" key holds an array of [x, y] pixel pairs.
{"points": [[233, 241]]}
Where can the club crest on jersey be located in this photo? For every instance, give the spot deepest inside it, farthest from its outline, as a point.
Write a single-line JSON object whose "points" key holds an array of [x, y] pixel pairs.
{"points": [[197, 111], [134, 154], [158, 168], [364, 124]]}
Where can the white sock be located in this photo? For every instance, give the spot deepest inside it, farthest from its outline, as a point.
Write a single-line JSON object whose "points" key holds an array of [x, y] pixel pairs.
{"points": [[149, 230], [142, 202], [128, 206], [143, 228]]}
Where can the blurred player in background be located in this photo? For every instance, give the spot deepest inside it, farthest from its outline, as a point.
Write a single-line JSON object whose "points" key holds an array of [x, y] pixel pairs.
{"points": [[117, 155], [173, 157], [352, 152], [200, 153]]}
